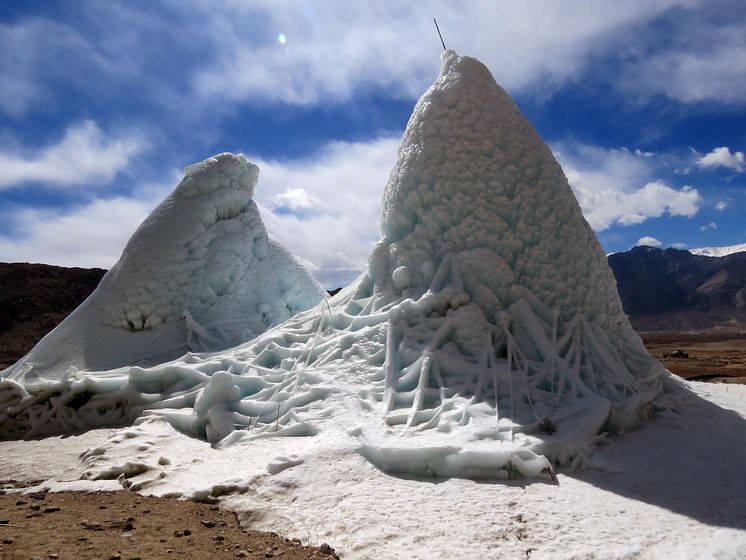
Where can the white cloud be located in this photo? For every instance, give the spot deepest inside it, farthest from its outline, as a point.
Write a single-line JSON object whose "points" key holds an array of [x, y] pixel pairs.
{"points": [[709, 65], [648, 241], [722, 157], [617, 187], [331, 51], [679, 245], [92, 235], [194, 52], [84, 155], [342, 184], [295, 199], [721, 205], [707, 227]]}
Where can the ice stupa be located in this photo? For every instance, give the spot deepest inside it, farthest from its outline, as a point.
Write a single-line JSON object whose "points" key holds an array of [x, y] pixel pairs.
{"points": [[485, 338]]}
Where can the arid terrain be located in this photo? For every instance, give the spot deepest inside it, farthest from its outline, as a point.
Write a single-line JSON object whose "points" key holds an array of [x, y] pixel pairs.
{"points": [[703, 356], [124, 526]]}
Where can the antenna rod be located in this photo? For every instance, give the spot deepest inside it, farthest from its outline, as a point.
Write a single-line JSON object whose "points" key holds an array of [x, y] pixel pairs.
{"points": [[439, 35]]}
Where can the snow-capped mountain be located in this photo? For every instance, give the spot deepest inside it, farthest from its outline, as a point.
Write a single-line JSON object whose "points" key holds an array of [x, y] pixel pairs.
{"points": [[719, 251]]}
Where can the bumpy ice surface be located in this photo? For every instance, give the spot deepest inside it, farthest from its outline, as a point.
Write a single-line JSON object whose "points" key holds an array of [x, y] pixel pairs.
{"points": [[485, 338]]}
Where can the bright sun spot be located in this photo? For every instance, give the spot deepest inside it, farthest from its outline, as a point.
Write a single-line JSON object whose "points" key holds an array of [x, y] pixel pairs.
{"points": [[282, 39]]}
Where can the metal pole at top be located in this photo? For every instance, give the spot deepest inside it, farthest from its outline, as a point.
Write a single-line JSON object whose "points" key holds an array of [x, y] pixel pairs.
{"points": [[439, 35]]}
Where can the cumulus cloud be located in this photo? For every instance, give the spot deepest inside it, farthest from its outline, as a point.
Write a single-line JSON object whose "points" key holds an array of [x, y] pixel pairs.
{"points": [[92, 235], [617, 187], [648, 241], [700, 58], [298, 60], [707, 227], [722, 157], [341, 184], [83, 155], [721, 205], [295, 200]]}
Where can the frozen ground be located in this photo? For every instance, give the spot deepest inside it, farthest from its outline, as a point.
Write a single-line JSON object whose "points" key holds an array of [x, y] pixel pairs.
{"points": [[673, 488]]}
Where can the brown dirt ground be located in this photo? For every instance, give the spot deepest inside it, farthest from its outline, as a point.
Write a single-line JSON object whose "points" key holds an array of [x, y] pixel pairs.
{"points": [[704, 356], [125, 526]]}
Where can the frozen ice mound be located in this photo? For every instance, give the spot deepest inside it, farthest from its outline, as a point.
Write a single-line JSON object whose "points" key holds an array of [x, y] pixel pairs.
{"points": [[199, 274], [485, 339]]}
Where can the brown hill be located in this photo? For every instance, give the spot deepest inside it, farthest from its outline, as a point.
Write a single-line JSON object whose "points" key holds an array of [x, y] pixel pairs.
{"points": [[672, 290], [34, 298]]}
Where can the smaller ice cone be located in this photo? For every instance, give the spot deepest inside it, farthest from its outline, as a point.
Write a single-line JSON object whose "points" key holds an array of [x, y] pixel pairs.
{"points": [[200, 273]]}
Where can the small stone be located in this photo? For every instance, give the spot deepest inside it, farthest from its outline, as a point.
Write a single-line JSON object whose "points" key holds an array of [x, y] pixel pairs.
{"points": [[187, 532], [50, 509], [40, 495], [178, 533], [35, 507], [208, 524], [242, 554], [214, 508], [326, 549], [116, 556], [21, 502], [53, 555], [8, 540], [4, 521]]}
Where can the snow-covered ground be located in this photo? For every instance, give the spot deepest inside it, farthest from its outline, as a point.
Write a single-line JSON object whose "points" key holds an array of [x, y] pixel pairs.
{"points": [[718, 251], [673, 488]]}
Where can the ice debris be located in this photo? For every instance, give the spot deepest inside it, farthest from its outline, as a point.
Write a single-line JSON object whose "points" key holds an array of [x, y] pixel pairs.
{"points": [[485, 339]]}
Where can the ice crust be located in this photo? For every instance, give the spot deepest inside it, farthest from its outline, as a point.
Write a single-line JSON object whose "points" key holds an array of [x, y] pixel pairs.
{"points": [[200, 273], [485, 339]]}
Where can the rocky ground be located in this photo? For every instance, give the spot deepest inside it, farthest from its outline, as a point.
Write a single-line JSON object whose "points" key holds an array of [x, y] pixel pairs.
{"points": [[124, 526]]}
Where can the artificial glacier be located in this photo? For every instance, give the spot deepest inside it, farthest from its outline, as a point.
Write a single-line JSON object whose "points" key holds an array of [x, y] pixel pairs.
{"points": [[485, 339]]}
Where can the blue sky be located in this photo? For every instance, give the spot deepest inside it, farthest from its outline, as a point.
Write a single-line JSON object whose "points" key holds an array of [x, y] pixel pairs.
{"points": [[103, 103]]}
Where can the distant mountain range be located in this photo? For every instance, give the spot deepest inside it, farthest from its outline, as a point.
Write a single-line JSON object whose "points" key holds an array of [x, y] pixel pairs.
{"points": [[661, 290], [674, 290], [719, 251]]}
